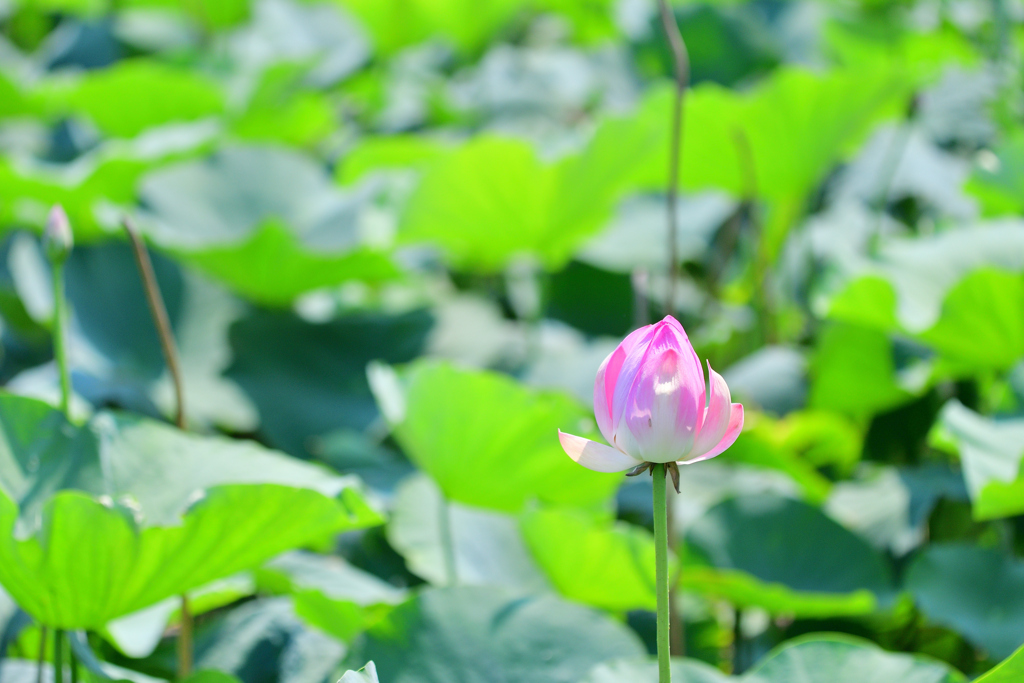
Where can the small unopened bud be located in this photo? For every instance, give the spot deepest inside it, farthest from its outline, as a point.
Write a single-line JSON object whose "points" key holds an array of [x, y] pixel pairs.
{"points": [[57, 239]]}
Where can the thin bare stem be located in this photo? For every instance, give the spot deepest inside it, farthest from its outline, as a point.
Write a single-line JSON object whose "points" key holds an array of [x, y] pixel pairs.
{"points": [[60, 338], [41, 661], [185, 640], [681, 63], [58, 656], [158, 310], [447, 541], [160, 318]]}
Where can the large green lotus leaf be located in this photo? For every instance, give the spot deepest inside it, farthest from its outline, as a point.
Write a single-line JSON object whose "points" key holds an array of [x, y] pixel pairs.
{"points": [[853, 371], [329, 593], [982, 323], [978, 592], [266, 636], [268, 221], [1010, 670], [788, 542], [527, 206], [607, 565], [332, 576], [1001, 189], [386, 153], [138, 634], [13, 101], [990, 454], [745, 590], [492, 442], [223, 198], [777, 141], [132, 95], [283, 109], [960, 292], [77, 563], [491, 635], [273, 268], [921, 55], [467, 24], [161, 467], [646, 671], [212, 14], [309, 379], [838, 658], [763, 444], [487, 546], [906, 285], [81, 190], [89, 563], [106, 293]]}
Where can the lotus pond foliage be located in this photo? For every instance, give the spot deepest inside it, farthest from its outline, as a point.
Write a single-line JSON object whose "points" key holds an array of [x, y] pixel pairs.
{"points": [[306, 427]]}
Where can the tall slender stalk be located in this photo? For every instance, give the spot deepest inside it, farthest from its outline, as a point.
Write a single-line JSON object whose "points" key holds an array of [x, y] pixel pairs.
{"points": [[41, 659], [60, 349], [681, 66], [661, 571], [447, 541], [185, 639], [158, 310], [73, 660], [58, 656]]}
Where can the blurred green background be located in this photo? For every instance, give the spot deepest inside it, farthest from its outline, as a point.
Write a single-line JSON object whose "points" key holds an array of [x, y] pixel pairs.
{"points": [[397, 237]]}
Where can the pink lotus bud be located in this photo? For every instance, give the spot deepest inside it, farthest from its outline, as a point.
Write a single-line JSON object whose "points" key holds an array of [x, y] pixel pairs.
{"points": [[649, 401], [57, 237]]}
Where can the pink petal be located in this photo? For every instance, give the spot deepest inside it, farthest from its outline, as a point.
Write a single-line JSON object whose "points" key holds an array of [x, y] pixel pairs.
{"points": [[716, 415], [735, 427], [664, 335], [595, 456], [607, 375], [664, 416]]}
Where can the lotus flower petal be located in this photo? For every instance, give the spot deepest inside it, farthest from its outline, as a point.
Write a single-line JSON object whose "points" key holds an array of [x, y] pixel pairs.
{"points": [[731, 434], [716, 415], [649, 402], [604, 384], [661, 381], [595, 456]]}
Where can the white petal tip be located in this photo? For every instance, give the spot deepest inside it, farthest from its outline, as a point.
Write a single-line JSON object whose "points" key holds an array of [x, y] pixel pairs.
{"points": [[595, 456]]}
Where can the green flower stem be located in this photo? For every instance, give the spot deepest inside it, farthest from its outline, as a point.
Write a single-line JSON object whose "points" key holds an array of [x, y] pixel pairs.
{"points": [[447, 541], [661, 573], [60, 349], [58, 656], [41, 660], [73, 660]]}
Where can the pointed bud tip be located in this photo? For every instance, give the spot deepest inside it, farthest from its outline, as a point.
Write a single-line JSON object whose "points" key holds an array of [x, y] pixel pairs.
{"points": [[57, 238]]}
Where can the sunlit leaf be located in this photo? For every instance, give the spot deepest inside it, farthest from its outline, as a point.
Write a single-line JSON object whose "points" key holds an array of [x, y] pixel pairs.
{"points": [[486, 546], [601, 564], [493, 443], [125, 99], [1007, 671], [990, 454]]}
